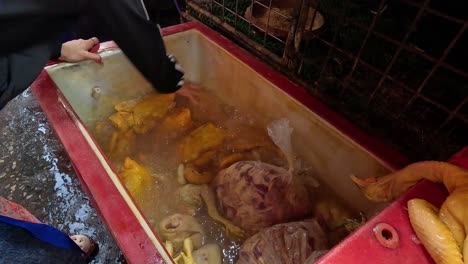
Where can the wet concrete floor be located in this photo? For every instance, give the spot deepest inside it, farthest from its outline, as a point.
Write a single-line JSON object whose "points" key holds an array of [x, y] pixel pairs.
{"points": [[36, 172]]}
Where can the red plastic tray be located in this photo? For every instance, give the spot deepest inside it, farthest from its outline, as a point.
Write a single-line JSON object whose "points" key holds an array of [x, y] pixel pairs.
{"points": [[363, 245], [131, 233]]}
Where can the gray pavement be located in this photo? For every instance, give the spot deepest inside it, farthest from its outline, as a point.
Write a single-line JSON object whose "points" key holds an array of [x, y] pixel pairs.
{"points": [[36, 172]]}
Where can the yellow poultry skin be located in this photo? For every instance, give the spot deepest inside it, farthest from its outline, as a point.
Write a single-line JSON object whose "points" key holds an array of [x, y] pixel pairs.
{"points": [[122, 144], [175, 124], [138, 117], [443, 232], [141, 116], [151, 109], [203, 138], [135, 177]]}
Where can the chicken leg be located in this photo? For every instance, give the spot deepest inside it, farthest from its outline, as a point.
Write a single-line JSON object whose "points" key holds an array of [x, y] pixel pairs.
{"points": [[209, 199]]}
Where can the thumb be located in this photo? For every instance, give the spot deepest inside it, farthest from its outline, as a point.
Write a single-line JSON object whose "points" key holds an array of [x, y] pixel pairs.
{"points": [[91, 56]]}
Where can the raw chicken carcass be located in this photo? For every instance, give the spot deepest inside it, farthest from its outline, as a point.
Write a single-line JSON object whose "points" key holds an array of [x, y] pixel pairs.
{"points": [[255, 195], [444, 231], [290, 243]]}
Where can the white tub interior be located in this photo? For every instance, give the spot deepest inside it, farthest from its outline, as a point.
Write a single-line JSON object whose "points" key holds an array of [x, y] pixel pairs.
{"points": [[333, 155]]}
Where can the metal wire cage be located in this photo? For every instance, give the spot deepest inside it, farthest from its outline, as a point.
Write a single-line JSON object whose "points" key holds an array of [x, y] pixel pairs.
{"points": [[396, 68]]}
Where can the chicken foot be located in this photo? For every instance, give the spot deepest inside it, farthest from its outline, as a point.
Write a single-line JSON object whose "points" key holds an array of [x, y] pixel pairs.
{"points": [[209, 199], [208, 254], [186, 256]]}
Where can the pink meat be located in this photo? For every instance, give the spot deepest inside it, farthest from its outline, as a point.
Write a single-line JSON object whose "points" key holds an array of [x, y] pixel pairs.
{"points": [[290, 243], [255, 195]]}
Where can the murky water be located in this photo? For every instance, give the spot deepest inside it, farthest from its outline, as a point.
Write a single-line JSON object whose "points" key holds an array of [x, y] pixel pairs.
{"points": [[36, 173], [159, 154]]}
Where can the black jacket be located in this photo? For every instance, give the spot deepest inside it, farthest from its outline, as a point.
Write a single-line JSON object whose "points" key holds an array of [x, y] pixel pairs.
{"points": [[30, 29]]}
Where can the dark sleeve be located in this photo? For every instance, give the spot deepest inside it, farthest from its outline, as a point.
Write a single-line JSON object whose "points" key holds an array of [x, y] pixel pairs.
{"points": [[56, 50], [29, 30], [19, 69], [141, 41]]}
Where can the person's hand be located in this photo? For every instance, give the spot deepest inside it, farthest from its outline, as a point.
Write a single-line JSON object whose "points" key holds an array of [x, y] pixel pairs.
{"points": [[78, 50], [190, 91]]}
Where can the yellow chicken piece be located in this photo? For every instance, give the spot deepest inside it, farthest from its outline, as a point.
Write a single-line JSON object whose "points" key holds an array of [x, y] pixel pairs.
{"points": [[122, 121], [209, 149], [135, 177], [443, 232], [136, 117], [204, 138], [122, 144], [126, 106], [176, 123], [151, 109]]}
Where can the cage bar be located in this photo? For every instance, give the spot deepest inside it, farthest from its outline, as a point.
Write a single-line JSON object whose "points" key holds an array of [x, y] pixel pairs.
{"points": [[400, 47], [309, 57], [437, 65]]}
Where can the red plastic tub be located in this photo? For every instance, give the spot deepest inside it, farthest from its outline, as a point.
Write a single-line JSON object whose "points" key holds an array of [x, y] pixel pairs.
{"points": [[334, 146]]}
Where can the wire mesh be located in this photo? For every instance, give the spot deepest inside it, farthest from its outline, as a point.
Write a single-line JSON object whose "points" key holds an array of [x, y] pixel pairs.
{"points": [[398, 69]]}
